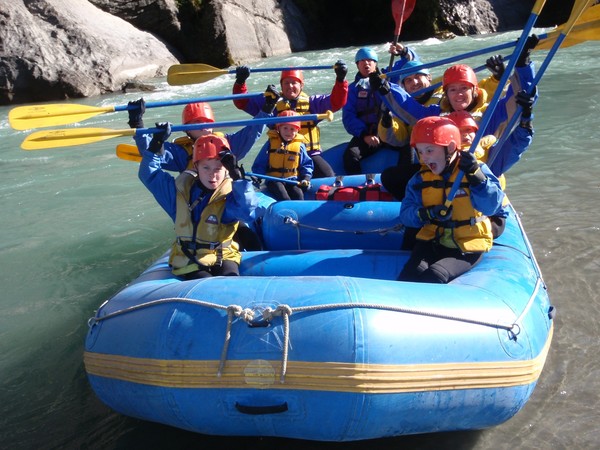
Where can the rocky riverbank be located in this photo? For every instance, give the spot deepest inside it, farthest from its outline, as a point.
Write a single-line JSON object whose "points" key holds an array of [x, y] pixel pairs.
{"points": [[59, 49]]}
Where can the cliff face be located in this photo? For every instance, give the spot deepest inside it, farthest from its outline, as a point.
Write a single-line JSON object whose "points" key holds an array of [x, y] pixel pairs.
{"points": [[58, 49]]}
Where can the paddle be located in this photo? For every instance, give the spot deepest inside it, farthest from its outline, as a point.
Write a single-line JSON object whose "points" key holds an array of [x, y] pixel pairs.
{"points": [[80, 136], [582, 13], [182, 74], [401, 10], [130, 152], [485, 120], [37, 116], [586, 29], [269, 178]]}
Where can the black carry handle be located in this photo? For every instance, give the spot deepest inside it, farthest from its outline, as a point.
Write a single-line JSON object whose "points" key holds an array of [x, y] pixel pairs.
{"points": [[258, 410]]}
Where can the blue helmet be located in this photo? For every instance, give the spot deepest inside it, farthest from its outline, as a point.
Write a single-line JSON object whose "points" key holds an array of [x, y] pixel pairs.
{"points": [[366, 53], [412, 65]]}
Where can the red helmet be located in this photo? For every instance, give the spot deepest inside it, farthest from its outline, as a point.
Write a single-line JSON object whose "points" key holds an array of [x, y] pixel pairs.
{"points": [[295, 74], [209, 146], [463, 120], [460, 73], [435, 130], [289, 113], [197, 113]]}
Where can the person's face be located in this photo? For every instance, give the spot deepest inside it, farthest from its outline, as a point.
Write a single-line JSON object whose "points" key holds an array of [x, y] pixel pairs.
{"points": [[366, 67], [211, 172], [416, 82], [467, 134], [460, 95], [291, 88], [287, 132], [434, 156]]}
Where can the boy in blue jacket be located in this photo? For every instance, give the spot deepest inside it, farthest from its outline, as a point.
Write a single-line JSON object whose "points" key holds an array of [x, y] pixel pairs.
{"points": [[206, 204]]}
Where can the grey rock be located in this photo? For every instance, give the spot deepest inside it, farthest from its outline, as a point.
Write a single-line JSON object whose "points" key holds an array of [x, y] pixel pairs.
{"points": [[58, 49]]}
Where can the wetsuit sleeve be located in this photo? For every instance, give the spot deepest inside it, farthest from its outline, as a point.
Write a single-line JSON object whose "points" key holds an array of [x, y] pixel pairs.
{"points": [[339, 95], [241, 141], [251, 105], [240, 89]]}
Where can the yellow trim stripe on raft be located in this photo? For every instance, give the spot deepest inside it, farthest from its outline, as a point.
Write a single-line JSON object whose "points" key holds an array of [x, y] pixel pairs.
{"points": [[328, 376]]}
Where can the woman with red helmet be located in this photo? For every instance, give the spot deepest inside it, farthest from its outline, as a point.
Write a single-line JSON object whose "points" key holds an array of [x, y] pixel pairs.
{"points": [[284, 155], [450, 240], [292, 97]]}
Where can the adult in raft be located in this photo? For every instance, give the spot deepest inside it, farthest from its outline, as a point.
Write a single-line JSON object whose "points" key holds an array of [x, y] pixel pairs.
{"points": [[292, 97], [450, 240], [363, 117]]}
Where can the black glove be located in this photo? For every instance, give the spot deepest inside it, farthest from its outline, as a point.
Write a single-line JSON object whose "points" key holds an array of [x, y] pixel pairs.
{"points": [[341, 70], [241, 74], [495, 64], [525, 101], [404, 53], [439, 213], [229, 161], [159, 138], [136, 110], [530, 44], [386, 119], [271, 97], [469, 165], [305, 184], [379, 84]]}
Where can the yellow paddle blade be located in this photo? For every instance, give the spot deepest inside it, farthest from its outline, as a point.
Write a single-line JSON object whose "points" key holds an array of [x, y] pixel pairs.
{"points": [[182, 74], [36, 116], [586, 28], [128, 152], [69, 137]]}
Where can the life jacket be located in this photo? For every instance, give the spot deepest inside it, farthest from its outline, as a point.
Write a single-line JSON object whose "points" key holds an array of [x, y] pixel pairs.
{"points": [[188, 144], [284, 157], [468, 229], [310, 130], [208, 242]]}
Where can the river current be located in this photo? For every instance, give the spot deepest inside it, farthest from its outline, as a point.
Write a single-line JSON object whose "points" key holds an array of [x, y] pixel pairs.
{"points": [[76, 225]]}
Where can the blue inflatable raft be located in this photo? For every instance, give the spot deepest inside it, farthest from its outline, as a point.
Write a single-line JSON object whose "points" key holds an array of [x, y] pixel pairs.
{"points": [[318, 341]]}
